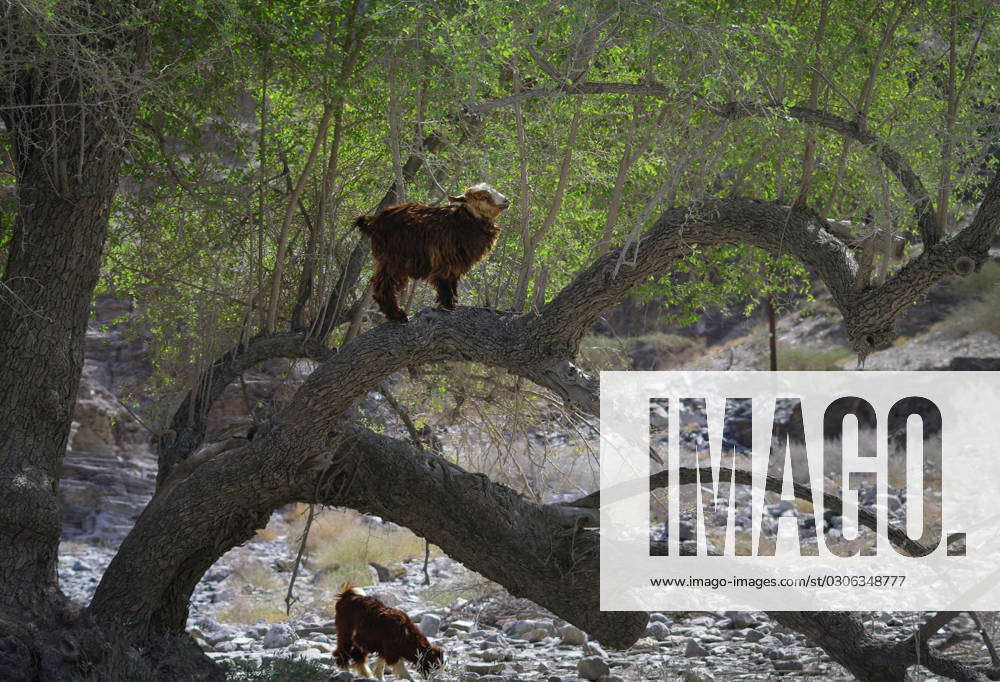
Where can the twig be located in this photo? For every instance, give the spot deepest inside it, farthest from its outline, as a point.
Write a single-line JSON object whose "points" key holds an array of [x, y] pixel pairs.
{"points": [[415, 438], [427, 575], [994, 658], [290, 598]]}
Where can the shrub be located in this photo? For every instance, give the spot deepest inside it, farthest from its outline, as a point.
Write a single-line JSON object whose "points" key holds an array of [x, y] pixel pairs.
{"points": [[341, 544], [280, 670]]}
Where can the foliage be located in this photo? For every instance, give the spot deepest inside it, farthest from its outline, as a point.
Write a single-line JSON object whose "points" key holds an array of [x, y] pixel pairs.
{"points": [[240, 88]]}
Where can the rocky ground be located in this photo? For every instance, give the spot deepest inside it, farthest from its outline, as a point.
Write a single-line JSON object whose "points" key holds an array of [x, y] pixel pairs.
{"points": [[489, 635], [492, 637]]}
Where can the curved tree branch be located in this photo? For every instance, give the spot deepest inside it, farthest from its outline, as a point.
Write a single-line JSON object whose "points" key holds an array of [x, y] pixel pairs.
{"points": [[187, 427], [308, 447]]}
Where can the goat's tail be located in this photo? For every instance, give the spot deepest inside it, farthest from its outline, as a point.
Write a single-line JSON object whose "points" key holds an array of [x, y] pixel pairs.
{"points": [[348, 588], [364, 223]]}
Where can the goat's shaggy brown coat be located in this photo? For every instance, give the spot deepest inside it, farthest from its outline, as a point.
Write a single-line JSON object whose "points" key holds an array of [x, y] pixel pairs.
{"points": [[434, 243], [367, 626]]}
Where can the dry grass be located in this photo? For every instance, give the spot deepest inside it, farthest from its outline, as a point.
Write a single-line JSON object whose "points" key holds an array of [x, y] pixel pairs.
{"points": [[259, 590], [472, 588], [267, 534], [980, 283], [251, 608], [342, 543]]}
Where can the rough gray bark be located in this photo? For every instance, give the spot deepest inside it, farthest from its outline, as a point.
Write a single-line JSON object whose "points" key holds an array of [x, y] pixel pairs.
{"points": [[67, 151]]}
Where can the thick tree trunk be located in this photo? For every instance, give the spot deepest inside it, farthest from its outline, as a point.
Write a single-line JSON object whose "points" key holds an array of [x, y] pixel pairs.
{"points": [[67, 153], [47, 285], [67, 101]]}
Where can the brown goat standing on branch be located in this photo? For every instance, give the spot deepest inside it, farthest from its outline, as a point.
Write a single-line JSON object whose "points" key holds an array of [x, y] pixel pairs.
{"points": [[435, 243]]}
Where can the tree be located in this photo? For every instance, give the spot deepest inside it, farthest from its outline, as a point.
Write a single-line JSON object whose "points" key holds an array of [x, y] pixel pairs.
{"points": [[67, 108], [69, 94]]}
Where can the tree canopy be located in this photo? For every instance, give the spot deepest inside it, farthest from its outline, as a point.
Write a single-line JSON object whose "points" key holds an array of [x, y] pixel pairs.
{"points": [[208, 158]]}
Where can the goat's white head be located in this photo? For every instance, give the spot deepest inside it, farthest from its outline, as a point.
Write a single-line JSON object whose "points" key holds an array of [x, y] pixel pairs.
{"points": [[483, 201]]}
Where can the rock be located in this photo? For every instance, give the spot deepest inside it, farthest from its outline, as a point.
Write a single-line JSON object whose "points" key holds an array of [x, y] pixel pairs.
{"points": [[390, 599], [570, 634], [741, 619], [697, 675], [280, 634], [258, 630], [462, 625], [686, 530], [786, 665], [660, 618], [592, 668], [769, 641], [755, 635], [341, 676], [221, 634], [497, 655], [594, 649], [694, 650], [381, 572], [536, 635], [430, 624], [521, 628], [658, 631], [485, 668], [243, 643], [974, 364]]}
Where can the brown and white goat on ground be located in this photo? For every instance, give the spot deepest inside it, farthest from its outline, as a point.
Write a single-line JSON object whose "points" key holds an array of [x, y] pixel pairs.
{"points": [[367, 626], [434, 243]]}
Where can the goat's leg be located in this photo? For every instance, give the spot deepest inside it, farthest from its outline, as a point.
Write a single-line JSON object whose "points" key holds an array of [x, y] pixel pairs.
{"points": [[447, 290], [344, 655], [379, 668], [385, 285], [362, 666], [400, 671]]}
